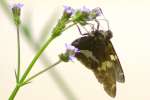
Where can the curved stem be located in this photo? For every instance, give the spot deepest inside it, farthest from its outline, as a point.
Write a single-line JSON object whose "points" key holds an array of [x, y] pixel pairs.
{"points": [[12, 96], [37, 56], [35, 59], [58, 28], [56, 32], [18, 86], [42, 71]]}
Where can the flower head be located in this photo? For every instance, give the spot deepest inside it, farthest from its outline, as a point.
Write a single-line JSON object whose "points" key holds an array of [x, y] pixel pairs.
{"points": [[16, 10], [69, 10], [69, 54], [95, 13], [71, 48], [18, 5], [81, 15], [84, 9], [85, 14]]}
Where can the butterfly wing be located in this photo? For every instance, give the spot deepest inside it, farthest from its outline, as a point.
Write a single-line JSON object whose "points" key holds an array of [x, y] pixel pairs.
{"points": [[109, 71], [93, 54], [118, 69], [105, 71], [85, 56], [101, 58]]}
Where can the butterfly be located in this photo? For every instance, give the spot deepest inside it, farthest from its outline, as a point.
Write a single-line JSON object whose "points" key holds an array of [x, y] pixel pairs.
{"points": [[98, 54]]}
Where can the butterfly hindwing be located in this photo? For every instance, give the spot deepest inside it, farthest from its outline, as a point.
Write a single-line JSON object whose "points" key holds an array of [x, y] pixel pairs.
{"points": [[106, 75]]}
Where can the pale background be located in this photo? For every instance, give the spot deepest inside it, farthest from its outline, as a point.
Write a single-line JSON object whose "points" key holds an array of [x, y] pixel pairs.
{"points": [[130, 22]]}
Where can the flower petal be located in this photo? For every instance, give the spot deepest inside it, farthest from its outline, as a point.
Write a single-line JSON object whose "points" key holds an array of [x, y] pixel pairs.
{"points": [[69, 47], [85, 9], [68, 9], [72, 58]]}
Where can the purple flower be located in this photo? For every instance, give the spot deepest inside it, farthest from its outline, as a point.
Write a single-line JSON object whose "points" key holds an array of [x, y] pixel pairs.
{"points": [[19, 5], [72, 58], [72, 48], [85, 9], [70, 51], [69, 10], [16, 10], [97, 11], [16, 5]]}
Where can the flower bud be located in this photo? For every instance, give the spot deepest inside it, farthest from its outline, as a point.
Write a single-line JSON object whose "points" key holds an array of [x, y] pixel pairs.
{"points": [[16, 10]]}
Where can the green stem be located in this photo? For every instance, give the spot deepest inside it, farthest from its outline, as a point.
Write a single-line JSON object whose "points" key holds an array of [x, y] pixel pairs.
{"points": [[57, 29], [56, 32], [69, 26], [12, 96], [35, 59], [37, 56], [42, 71], [18, 46]]}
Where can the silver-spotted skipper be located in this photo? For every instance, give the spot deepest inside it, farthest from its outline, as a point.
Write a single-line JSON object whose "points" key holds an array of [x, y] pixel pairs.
{"points": [[97, 53]]}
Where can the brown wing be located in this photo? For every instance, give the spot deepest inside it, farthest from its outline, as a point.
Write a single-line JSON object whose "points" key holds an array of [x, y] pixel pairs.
{"points": [[106, 75], [104, 72], [99, 60], [109, 70], [118, 69]]}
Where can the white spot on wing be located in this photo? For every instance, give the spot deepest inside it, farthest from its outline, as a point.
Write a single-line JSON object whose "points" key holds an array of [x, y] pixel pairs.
{"points": [[113, 57], [89, 54]]}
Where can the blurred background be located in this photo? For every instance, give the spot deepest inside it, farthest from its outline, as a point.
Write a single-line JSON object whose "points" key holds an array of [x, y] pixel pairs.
{"points": [[129, 21]]}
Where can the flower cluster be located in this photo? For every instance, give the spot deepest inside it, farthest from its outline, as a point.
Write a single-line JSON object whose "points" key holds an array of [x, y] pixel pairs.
{"points": [[69, 54], [79, 16], [83, 14]]}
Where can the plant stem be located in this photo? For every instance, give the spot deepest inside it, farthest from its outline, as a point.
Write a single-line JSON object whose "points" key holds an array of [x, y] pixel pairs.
{"points": [[18, 46], [12, 96], [38, 55], [42, 71], [55, 33], [56, 76], [35, 59], [69, 26]]}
